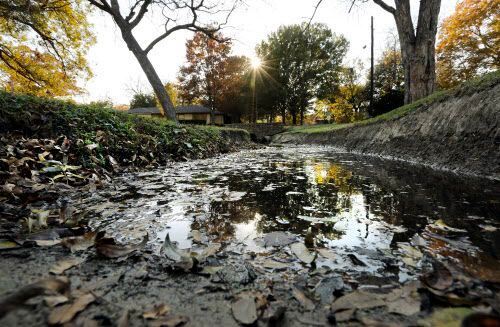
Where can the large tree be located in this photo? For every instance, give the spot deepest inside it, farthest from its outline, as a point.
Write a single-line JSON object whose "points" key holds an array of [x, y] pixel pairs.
{"points": [[304, 62], [43, 44], [178, 15], [469, 42], [211, 75], [417, 44]]}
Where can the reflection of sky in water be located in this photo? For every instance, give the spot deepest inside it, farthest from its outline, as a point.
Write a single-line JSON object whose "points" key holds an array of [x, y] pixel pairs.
{"points": [[347, 202]]}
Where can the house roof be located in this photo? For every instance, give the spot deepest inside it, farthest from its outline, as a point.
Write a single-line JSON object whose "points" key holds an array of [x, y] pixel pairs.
{"points": [[194, 109], [191, 109]]}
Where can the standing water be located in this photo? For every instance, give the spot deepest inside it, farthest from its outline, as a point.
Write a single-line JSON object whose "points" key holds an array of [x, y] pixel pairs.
{"points": [[363, 215]]}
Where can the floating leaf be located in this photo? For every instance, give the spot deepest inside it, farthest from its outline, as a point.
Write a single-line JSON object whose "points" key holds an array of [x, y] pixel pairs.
{"points": [[325, 253], [181, 259], [244, 310], [278, 239], [66, 313], [7, 245], [272, 264], [301, 251]]}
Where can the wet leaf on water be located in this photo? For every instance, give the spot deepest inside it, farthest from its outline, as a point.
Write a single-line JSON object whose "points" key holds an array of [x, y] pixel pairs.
{"points": [[55, 300], [489, 228], [64, 265], [245, 310], [110, 249], [158, 311], [276, 265], [358, 300], [440, 224], [209, 251], [411, 255], [405, 300], [304, 301], [278, 239], [439, 278], [327, 254], [66, 313], [302, 253], [17, 299], [7, 245], [83, 242], [355, 260], [196, 235], [449, 317], [326, 288], [210, 270]]}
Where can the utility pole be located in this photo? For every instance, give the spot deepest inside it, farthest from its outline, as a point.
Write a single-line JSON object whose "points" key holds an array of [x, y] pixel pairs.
{"points": [[371, 70]]}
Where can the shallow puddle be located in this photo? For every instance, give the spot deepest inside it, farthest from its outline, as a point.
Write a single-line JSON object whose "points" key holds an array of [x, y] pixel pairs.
{"points": [[368, 214]]}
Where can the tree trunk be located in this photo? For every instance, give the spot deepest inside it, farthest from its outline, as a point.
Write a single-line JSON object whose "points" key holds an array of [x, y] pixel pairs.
{"points": [[417, 47], [167, 107]]}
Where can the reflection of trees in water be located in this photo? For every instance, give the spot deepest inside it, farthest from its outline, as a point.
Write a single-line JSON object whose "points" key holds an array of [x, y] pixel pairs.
{"points": [[395, 193]]}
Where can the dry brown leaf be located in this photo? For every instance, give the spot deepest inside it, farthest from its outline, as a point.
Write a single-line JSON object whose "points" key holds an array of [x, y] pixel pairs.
{"points": [[170, 321], [66, 313], [55, 300], [158, 311], [47, 286], [81, 243], [244, 310], [64, 265], [304, 301], [301, 251], [111, 250], [124, 319]]}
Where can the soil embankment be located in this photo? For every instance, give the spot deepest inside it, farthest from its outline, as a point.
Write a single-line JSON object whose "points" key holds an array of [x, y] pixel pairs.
{"points": [[458, 131]]}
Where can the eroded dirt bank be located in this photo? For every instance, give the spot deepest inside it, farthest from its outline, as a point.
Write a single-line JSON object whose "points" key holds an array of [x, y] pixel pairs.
{"points": [[459, 133]]}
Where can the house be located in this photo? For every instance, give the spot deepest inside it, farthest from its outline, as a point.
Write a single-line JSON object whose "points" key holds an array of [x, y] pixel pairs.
{"points": [[192, 114], [196, 114]]}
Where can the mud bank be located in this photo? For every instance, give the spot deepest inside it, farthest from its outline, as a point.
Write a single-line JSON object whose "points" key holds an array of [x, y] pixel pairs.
{"points": [[458, 132]]}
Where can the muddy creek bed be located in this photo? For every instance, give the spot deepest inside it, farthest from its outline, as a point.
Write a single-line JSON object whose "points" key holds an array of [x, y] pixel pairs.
{"points": [[294, 236]]}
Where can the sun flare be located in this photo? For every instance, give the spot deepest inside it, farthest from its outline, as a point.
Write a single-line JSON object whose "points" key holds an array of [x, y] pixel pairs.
{"points": [[255, 62]]}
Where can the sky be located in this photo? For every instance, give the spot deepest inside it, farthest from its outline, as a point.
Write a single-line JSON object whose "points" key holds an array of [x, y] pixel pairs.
{"points": [[116, 71]]}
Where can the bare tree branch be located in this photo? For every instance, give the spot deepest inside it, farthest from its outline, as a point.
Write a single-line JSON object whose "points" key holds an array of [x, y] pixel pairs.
{"points": [[385, 6]]}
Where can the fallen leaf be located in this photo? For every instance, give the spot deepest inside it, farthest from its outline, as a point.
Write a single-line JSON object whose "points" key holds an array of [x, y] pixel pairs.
{"points": [[7, 245], [355, 260], [301, 251], [124, 319], [156, 312], [325, 253], [244, 310], [344, 315], [304, 301], [181, 259], [210, 270], [43, 243], [64, 265], [449, 317], [47, 286], [66, 313], [278, 239], [272, 264], [358, 300], [209, 251], [170, 321], [439, 279], [196, 235], [81, 243], [55, 300], [110, 250]]}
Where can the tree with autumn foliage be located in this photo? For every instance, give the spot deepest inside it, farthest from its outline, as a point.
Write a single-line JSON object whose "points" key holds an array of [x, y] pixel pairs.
{"points": [[469, 42], [211, 75], [43, 44]]}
